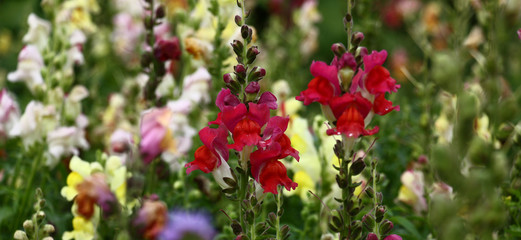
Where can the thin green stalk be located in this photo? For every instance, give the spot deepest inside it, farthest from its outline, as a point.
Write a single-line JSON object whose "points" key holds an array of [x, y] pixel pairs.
{"points": [[277, 220], [346, 193], [27, 194], [243, 184], [376, 230], [349, 24]]}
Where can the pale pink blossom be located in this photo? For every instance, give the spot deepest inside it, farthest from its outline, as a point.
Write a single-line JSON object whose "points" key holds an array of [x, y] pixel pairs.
{"points": [[30, 64], [9, 113], [196, 86], [36, 121], [412, 190], [65, 141]]}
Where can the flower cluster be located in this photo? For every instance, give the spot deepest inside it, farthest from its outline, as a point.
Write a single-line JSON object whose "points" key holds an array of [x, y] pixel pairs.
{"points": [[250, 126], [351, 108]]}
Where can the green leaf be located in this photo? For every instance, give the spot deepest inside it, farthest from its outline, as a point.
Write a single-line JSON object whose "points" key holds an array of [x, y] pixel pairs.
{"points": [[408, 225]]}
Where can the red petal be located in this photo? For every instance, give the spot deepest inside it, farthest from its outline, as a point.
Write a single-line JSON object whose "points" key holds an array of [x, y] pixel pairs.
{"points": [[260, 157], [351, 123], [260, 113], [232, 115], [216, 140], [374, 59], [273, 174], [286, 149], [321, 69], [319, 90], [204, 160], [378, 81], [245, 133], [340, 104], [382, 106], [269, 99]]}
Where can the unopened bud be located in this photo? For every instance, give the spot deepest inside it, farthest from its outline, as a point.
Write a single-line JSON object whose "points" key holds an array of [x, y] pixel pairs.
{"points": [[336, 221], [357, 38], [422, 159], [149, 24], [357, 166], [346, 75], [380, 211], [372, 236], [386, 226], [338, 49], [239, 68], [245, 31], [28, 226], [160, 12], [48, 228], [252, 88], [347, 19], [228, 78], [256, 74], [20, 235], [368, 221], [146, 59], [252, 54], [236, 227], [40, 215], [237, 47], [238, 20]]}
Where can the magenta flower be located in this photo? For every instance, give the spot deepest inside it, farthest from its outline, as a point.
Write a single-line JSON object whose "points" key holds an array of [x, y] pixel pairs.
{"points": [[154, 128]]}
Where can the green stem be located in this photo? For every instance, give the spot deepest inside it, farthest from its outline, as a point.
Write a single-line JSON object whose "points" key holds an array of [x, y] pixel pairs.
{"points": [[350, 24], [376, 230], [28, 190], [277, 219], [243, 184], [346, 193]]}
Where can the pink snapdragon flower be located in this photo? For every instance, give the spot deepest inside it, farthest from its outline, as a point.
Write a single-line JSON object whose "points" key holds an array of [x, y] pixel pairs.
{"points": [[9, 113], [30, 65]]}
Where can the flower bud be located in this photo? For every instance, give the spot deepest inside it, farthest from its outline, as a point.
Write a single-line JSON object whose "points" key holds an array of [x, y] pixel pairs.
{"points": [[372, 236], [368, 221], [338, 49], [20, 235], [272, 218], [357, 166], [386, 226], [160, 12], [252, 54], [256, 74], [149, 24], [238, 20], [228, 78], [357, 38], [40, 215], [239, 68], [28, 226], [369, 191], [245, 32], [237, 47], [48, 229], [252, 88], [336, 221], [356, 227], [380, 211], [146, 59], [236, 227], [346, 75]]}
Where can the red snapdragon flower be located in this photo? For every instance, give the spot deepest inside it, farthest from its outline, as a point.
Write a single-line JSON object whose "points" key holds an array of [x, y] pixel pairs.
{"points": [[213, 152], [323, 87], [353, 110], [167, 49], [265, 165]]}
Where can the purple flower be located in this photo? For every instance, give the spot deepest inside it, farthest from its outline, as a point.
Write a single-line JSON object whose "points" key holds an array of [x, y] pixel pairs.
{"points": [[519, 33], [182, 224]]}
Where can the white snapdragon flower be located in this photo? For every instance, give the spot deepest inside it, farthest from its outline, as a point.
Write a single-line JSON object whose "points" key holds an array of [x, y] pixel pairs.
{"points": [[197, 86], [30, 64], [36, 121], [39, 30], [9, 112], [65, 141]]}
